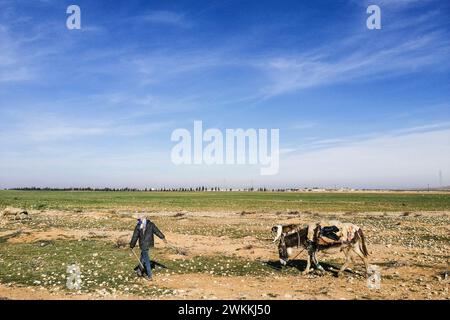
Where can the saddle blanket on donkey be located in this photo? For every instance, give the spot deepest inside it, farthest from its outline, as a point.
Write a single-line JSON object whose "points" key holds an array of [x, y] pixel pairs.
{"points": [[325, 233]]}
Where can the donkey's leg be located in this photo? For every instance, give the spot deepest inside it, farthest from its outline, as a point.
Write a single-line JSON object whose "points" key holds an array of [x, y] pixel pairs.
{"points": [[316, 262], [308, 265], [348, 259], [359, 253]]}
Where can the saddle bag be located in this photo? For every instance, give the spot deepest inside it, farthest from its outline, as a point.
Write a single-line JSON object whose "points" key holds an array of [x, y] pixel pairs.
{"points": [[330, 232]]}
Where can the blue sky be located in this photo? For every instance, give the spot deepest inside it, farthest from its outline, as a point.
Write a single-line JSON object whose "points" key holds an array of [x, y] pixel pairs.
{"points": [[96, 106]]}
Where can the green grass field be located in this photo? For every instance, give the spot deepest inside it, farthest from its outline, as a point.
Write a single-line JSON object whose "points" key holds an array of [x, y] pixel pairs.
{"points": [[227, 201]]}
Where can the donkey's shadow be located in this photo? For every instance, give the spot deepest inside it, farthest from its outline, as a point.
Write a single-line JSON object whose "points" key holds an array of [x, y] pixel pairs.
{"points": [[300, 265]]}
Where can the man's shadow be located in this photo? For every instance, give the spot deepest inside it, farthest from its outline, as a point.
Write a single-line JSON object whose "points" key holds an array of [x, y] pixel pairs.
{"points": [[156, 264], [153, 264]]}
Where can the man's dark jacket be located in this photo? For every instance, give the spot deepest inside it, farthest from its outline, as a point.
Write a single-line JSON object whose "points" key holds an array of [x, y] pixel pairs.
{"points": [[146, 240]]}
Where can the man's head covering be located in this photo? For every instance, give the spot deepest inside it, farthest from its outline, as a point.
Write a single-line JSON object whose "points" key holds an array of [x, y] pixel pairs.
{"points": [[142, 222]]}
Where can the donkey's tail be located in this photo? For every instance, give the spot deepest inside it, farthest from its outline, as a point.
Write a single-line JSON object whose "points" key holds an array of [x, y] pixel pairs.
{"points": [[362, 244]]}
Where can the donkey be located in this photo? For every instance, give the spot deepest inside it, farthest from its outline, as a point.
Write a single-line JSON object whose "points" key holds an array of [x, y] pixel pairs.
{"points": [[280, 229], [357, 244]]}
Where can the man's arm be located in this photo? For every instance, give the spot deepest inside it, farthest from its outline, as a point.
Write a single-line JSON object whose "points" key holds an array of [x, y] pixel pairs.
{"points": [[158, 232], [135, 237]]}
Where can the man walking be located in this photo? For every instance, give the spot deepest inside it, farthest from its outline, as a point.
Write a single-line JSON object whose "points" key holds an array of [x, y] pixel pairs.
{"points": [[144, 231]]}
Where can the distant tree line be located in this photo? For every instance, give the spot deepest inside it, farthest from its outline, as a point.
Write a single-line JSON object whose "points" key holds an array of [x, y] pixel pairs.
{"points": [[162, 189]]}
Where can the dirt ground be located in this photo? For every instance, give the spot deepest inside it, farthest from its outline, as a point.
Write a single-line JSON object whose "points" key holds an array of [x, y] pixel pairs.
{"points": [[411, 249]]}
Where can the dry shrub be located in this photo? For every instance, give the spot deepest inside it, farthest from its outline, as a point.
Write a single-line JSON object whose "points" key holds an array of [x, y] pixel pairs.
{"points": [[406, 214], [244, 213], [122, 242]]}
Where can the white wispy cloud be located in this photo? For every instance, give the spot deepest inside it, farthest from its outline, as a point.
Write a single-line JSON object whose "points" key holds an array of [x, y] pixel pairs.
{"points": [[13, 65], [42, 128], [164, 65], [402, 160], [288, 74], [167, 18], [303, 125], [399, 4], [314, 144], [358, 57], [121, 167]]}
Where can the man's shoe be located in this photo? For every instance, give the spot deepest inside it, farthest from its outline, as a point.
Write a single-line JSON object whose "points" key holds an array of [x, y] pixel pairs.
{"points": [[148, 278]]}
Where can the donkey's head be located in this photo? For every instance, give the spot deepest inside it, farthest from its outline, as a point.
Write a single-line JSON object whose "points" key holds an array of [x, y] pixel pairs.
{"points": [[276, 232], [283, 251], [290, 241]]}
